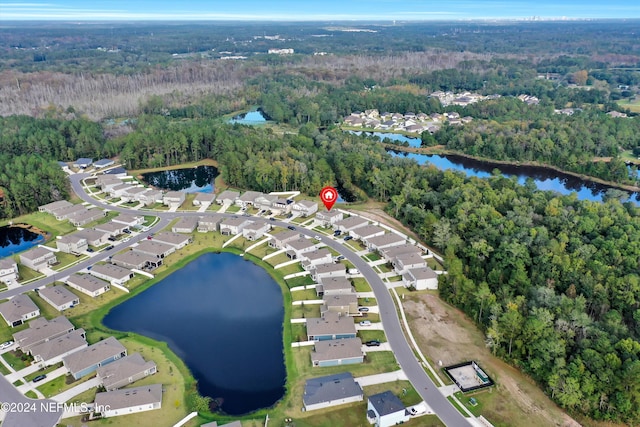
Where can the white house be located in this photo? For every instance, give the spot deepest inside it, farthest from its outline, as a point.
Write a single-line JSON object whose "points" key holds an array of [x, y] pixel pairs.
{"points": [[87, 216], [72, 244], [420, 278], [281, 239], [350, 223], [328, 218], [129, 220], [59, 297], [255, 230], [113, 229], [366, 232], [248, 198], [233, 226], [129, 400], [150, 197], [322, 271], [295, 248], [87, 284], [103, 163], [227, 197], [385, 410], [319, 256], [305, 207], [186, 224], [208, 224], [38, 258], [8, 271], [112, 273], [172, 198], [94, 237], [281, 206], [18, 310], [332, 390], [204, 199], [404, 262], [177, 240], [52, 351], [385, 241]]}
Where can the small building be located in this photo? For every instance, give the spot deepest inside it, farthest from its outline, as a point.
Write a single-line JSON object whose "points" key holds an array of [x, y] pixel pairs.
{"points": [[151, 197], [107, 182], [385, 410], [59, 297], [320, 256], [227, 197], [248, 198], [132, 194], [18, 310], [346, 351], [8, 271], [38, 258], [301, 245], [68, 211], [128, 400], [206, 224], [281, 206], [88, 284], [112, 273], [154, 248], [366, 232], [136, 260], [391, 253], [41, 330], [420, 278], [344, 304], [129, 220], [50, 207], [82, 163], [124, 371], [255, 230], [173, 198], [177, 240], [118, 172], [94, 237], [305, 207], [331, 326], [404, 262], [72, 244], [89, 215], [265, 201], [384, 241], [320, 271], [280, 240], [350, 223], [328, 218], [86, 361], [53, 351], [113, 229], [103, 163], [186, 224], [334, 286], [119, 190], [332, 390], [233, 226], [204, 199]]}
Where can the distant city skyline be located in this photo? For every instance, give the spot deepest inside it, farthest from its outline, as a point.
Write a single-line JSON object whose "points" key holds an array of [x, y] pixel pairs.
{"points": [[313, 10]]}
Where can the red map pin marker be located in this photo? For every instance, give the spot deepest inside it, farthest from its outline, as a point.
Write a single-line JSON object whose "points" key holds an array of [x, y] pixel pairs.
{"points": [[328, 195]]}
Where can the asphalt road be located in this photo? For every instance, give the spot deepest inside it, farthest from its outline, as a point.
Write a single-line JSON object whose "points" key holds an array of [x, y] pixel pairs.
{"points": [[388, 314], [20, 411]]}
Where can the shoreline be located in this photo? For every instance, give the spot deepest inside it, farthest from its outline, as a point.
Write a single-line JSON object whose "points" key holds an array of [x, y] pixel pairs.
{"points": [[439, 150]]}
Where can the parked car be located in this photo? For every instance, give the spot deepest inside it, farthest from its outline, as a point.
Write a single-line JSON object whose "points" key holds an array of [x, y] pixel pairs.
{"points": [[316, 237], [6, 344], [340, 257], [108, 248], [149, 237], [89, 250], [39, 378], [291, 227], [413, 411], [126, 230], [111, 239], [272, 219], [337, 233], [372, 343], [365, 323], [348, 238], [363, 309]]}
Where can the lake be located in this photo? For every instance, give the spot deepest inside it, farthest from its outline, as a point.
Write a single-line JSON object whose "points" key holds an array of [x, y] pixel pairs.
{"points": [[255, 117], [15, 239], [189, 180], [223, 316]]}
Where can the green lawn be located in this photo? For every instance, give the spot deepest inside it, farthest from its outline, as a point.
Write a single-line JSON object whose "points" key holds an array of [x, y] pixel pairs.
{"points": [[403, 389], [64, 260], [43, 371], [456, 405], [375, 363], [307, 294], [372, 257], [367, 302], [17, 382], [372, 335], [300, 281], [4, 370], [361, 284], [44, 222], [27, 274], [46, 310], [434, 264], [60, 384], [298, 332], [31, 394], [290, 269], [305, 311], [475, 410], [278, 259], [15, 359]]}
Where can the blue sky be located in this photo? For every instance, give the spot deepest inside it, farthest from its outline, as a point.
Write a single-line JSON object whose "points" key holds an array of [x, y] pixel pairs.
{"points": [[384, 10]]}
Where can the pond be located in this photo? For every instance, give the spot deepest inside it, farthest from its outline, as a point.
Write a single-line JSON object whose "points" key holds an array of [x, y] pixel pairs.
{"points": [[223, 317], [255, 117], [14, 239], [189, 180]]}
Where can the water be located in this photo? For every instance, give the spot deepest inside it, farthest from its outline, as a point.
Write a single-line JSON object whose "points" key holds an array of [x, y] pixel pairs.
{"points": [[191, 180], [223, 317], [255, 117], [17, 239], [544, 179], [413, 142]]}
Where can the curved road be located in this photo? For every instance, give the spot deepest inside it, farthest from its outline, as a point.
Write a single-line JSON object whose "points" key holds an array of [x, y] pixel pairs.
{"points": [[388, 313]]}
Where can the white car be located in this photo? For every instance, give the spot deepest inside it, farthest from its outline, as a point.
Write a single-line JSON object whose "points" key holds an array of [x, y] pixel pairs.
{"points": [[365, 323], [6, 345]]}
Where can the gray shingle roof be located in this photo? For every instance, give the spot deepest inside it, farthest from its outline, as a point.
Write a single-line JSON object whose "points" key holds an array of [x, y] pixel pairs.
{"points": [[130, 397], [93, 354], [329, 388], [386, 403]]}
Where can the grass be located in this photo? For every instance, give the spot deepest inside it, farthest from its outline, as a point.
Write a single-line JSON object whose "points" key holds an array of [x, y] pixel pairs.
{"points": [[18, 383], [46, 310], [384, 268], [278, 259], [403, 389], [631, 105], [31, 394], [4, 370], [44, 222], [298, 332], [27, 274], [372, 257], [434, 264], [290, 269], [43, 371], [65, 260], [306, 311], [475, 410], [361, 284], [55, 386], [307, 294], [372, 335], [456, 405], [14, 359], [300, 281], [367, 302]]}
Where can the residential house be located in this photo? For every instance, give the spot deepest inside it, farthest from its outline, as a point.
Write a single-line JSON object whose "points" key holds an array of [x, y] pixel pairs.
{"points": [[328, 218], [41, 330], [107, 182], [38, 258], [186, 224], [88, 284], [129, 220], [118, 172], [124, 371], [208, 224], [332, 390], [119, 190], [86, 361], [132, 194], [113, 229], [90, 215], [321, 271], [173, 198], [346, 351], [103, 163], [128, 400], [176, 240], [64, 166], [52, 351], [305, 207], [82, 163], [94, 237], [280, 240], [404, 262], [204, 199], [264, 201], [281, 206], [390, 253], [151, 197], [366, 232], [420, 278], [344, 304], [8, 271], [295, 248], [320, 256], [331, 326], [350, 223], [227, 197], [385, 410], [233, 226], [248, 198], [50, 207], [68, 211], [255, 230], [385, 241], [112, 273], [154, 248], [59, 297], [136, 260], [18, 310], [334, 286], [72, 244]]}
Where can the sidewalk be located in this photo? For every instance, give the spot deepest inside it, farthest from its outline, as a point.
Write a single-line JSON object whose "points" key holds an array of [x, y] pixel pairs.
{"points": [[381, 378], [80, 388]]}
